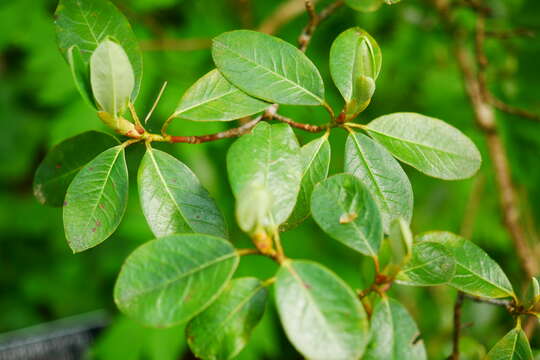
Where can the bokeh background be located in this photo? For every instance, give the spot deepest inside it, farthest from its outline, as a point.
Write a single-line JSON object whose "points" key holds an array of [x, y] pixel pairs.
{"points": [[41, 280]]}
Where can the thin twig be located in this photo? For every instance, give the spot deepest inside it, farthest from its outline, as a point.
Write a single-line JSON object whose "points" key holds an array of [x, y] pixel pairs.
{"points": [[156, 102], [457, 326], [314, 21], [497, 302], [302, 126], [512, 110]]}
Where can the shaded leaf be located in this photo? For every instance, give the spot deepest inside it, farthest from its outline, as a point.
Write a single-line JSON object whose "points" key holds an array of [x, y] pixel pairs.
{"points": [[393, 333], [513, 346], [428, 144], [382, 175], [315, 157], [111, 77], [400, 240], [81, 74], [269, 158], [64, 161], [86, 24], [222, 330], [268, 68], [170, 280], [321, 315], [212, 97], [346, 211], [364, 5], [173, 200], [431, 264], [96, 200], [476, 273]]}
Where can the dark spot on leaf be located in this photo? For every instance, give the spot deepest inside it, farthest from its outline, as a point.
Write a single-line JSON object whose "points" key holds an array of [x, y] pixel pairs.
{"points": [[98, 223], [90, 169], [65, 203], [307, 286], [93, 230], [58, 166], [198, 217], [101, 206]]}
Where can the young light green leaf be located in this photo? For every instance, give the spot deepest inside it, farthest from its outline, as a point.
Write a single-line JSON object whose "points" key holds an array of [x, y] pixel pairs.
{"points": [[222, 330], [431, 264], [213, 98], [400, 240], [268, 68], [96, 200], [428, 144], [85, 24], [81, 74], [382, 175], [254, 209], [170, 280], [513, 346], [316, 163], [355, 63], [364, 5], [346, 211], [476, 273], [64, 161], [321, 315], [393, 334], [536, 289], [173, 200], [112, 77], [269, 157]]}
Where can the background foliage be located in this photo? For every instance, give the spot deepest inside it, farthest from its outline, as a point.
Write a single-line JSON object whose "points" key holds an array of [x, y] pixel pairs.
{"points": [[42, 280]]}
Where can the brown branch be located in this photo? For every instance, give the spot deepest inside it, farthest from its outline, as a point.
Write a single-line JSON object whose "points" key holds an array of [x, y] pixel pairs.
{"points": [[314, 21], [508, 34], [302, 126], [282, 15], [512, 110], [457, 326], [485, 119]]}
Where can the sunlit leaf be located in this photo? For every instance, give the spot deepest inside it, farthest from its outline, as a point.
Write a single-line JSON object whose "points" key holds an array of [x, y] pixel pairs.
{"points": [[346, 211], [431, 264], [321, 315], [223, 329], [364, 5], [96, 200], [513, 346], [268, 68], [64, 161], [170, 280], [428, 144], [382, 175], [173, 200]]}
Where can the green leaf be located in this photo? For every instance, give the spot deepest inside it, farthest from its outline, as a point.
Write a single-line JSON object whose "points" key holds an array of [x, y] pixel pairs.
{"points": [[476, 273], [223, 329], [431, 264], [112, 77], [268, 68], [393, 334], [269, 158], [346, 211], [96, 200], [382, 175], [168, 281], [81, 74], [400, 240], [513, 346], [428, 144], [64, 161], [355, 63], [214, 98], [173, 200], [321, 315], [86, 24], [364, 5], [315, 163]]}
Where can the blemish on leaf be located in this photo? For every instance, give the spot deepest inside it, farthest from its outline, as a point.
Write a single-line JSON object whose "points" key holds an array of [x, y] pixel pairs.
{"points": [[91, 169], [306, 285], [348, 218], [65, 203], [58, 166], [98, 223], [101, 206], [94, 230]]}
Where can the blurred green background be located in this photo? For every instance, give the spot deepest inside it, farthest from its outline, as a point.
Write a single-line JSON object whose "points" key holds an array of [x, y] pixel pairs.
{"points": [[40, 280]]}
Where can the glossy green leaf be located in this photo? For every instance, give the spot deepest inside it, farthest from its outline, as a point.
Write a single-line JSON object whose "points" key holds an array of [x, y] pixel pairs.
{"points": [[400, 240], [535, 289], [222, 330], [173, 200], [364, 5], [431, 264], [355, 63], [428, 144], [96, 200], [476, 273], [81, 74], [382, 175], [321, 315], [393, 334], [64, 161], [86, 24], [111, 77], [513, 346], [268, 68], [269, 158], [346, 211], [316, 163], [170, 280], [213, 98]]}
